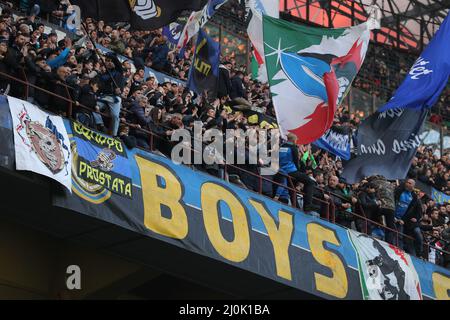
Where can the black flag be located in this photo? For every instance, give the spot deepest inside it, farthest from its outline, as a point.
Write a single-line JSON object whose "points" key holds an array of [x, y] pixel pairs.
{"points": [[142, 14], [386, 142]]}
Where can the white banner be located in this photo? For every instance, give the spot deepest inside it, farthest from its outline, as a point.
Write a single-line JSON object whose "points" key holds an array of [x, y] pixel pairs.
{"points": [[41, 142], [197, 20], [256, 9], [386, 272]]}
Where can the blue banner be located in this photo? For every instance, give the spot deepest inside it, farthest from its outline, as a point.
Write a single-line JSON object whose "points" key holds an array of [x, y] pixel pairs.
{"points": [[204, 73], [101, 160], [173, 33], [336, 141], [208, 216], [440, 197], [427, 77]]}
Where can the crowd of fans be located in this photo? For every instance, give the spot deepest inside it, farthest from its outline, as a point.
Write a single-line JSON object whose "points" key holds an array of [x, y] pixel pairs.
{"points": [[116, 98]]}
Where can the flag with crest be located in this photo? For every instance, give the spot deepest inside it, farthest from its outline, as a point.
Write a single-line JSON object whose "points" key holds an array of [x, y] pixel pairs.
{"points": [[310, 71]]}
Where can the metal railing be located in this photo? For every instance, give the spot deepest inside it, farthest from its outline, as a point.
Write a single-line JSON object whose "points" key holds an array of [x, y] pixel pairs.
{"points": [[329, 214]]}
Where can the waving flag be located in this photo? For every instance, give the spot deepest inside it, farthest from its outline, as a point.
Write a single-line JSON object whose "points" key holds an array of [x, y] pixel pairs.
{"points": [[142, 14], [204, 73], [255, 9], [336, 140], [310, 71], [427, 77], [386, 144], [173, 33], [198, 19]]}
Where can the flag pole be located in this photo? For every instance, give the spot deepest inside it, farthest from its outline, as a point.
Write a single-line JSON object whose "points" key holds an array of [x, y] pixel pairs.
{"points": [[84, 28]]}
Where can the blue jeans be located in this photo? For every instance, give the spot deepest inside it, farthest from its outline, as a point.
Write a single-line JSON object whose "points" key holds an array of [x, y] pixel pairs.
{"points": [[113, 103], [401, 230], [413, 247]]}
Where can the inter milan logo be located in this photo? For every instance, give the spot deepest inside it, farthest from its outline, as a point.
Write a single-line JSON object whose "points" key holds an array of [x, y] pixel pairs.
{"points": [[146, 9], [104, 160]]}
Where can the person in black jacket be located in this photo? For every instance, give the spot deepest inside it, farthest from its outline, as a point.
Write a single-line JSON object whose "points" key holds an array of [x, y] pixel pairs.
{"points": [[446, 237], [371, 205], [140, 115], [237, 86], [224, 87], [6, 61], [343, 213], [112, 84], [408, 212], [88, 98]]}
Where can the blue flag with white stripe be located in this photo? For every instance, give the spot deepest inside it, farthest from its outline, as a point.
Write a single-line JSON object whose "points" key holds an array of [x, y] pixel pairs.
{"points": [[427, 77]]}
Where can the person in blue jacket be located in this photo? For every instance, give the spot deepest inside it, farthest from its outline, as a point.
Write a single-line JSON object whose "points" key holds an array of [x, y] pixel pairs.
{"points": [[291, 165]]}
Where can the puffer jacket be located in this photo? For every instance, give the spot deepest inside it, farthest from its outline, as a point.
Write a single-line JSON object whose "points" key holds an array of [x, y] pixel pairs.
{"points": [[385, 192]]}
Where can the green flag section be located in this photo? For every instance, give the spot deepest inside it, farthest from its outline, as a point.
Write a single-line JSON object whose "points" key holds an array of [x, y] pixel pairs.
{"points": [[310, 71], [255, 67]]}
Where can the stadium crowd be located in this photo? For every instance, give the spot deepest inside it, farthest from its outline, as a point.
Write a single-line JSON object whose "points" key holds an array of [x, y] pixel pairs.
{"points": [[116, 98]]}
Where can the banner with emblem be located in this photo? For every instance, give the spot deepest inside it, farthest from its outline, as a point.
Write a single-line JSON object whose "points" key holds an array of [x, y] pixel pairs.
{"points": [[41, 142], [141, 14], [100, 160], [386, 272], [428, 76], [173, 33], [336, 140], [310, 72]]}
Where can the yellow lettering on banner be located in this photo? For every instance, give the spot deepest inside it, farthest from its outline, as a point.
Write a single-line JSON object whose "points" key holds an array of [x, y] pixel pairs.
{"points": [[101, 179], [89, 173], [441, 285], [108, 180], [155, 196], [83, 167], [202, 67], [128, 189], [280, 237], [201, 45], [337, 285], [115, 185], [238, 249]]}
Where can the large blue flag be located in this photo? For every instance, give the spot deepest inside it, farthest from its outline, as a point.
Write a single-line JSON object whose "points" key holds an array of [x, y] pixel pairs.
{"points": [[427, 77], [204, 73]]}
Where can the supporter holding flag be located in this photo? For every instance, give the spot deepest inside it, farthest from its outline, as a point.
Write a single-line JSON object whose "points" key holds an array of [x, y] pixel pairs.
{"points": [[197, 20], [428, 76], [204, 74]]}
